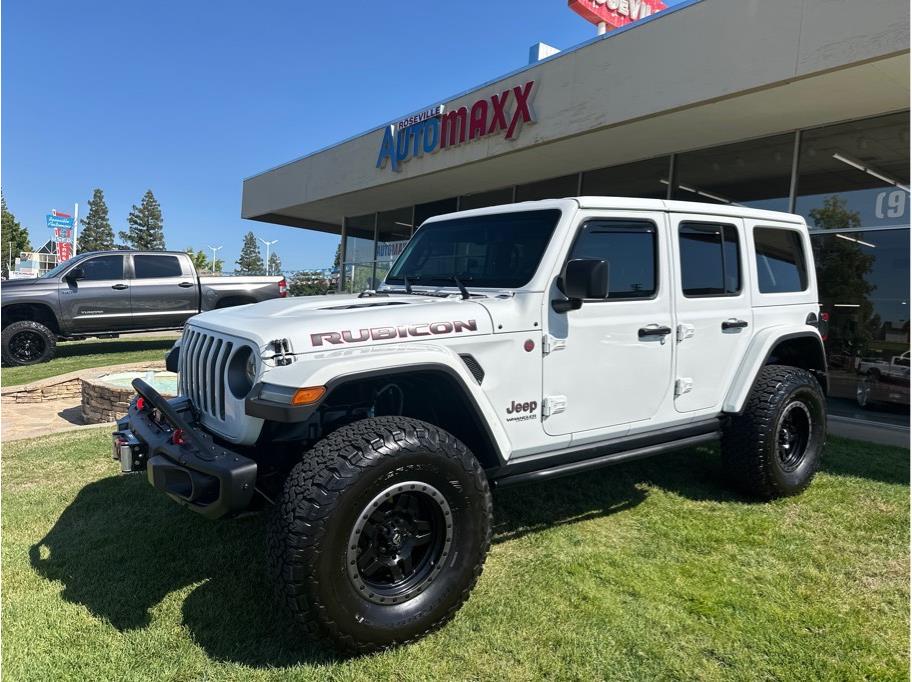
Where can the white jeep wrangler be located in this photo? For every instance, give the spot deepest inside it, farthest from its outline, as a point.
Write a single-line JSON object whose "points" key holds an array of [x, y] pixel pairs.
{"points": [[507, 344]]}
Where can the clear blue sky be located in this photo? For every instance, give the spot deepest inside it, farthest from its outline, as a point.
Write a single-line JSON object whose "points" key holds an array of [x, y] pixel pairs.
{"points": [[188, 98]]}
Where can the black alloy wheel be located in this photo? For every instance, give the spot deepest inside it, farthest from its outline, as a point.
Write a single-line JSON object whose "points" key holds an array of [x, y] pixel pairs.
{"points": [[26, 342], [27, 346], [400, 542], [793, 435]]}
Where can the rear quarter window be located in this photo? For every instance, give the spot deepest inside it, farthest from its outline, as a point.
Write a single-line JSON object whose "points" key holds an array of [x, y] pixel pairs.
{"points": [[781, 261]]}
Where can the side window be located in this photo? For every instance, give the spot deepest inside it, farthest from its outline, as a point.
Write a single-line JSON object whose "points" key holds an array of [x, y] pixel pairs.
{"points": [[780, 260], [629, 247], [152, 267], [710, 259], [102, 268]]}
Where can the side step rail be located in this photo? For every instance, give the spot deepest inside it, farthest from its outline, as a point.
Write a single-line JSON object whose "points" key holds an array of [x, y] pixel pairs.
{"points": [[598, 462]]}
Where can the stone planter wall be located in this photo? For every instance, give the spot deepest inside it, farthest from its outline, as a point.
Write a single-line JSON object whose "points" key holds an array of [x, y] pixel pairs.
{"points": [[102, 403], [40, 392]]}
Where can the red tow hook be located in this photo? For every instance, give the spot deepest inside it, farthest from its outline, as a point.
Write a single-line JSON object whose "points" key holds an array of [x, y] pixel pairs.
{"points": [[177, 437], [140, 403]]}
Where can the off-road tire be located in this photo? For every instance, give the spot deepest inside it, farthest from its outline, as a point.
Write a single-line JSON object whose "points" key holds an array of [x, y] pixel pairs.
{"points": [[39, 334], [753, 453], [324, 498]]}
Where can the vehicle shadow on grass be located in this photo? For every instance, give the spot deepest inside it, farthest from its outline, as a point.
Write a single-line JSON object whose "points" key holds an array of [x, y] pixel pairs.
{"points": [[120, 547], [78, 349]]}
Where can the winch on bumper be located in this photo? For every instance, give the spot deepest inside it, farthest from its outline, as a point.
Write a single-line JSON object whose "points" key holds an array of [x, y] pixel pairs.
{"points": [[181, 459]]}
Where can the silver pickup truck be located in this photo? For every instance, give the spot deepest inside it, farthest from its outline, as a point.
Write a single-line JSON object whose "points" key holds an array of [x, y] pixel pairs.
{"points": [[111, 292]]}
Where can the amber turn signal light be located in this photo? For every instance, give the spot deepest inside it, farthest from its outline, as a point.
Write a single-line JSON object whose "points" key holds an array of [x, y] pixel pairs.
{"points": [[308, 396]]}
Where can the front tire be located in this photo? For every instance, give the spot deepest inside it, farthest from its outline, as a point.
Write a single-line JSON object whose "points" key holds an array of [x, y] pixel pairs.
{"points": [[27, 343], [772, 449], [380, 533]]}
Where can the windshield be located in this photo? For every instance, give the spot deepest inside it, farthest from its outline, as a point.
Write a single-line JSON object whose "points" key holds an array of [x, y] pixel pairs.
{"points": [[498, 251]]}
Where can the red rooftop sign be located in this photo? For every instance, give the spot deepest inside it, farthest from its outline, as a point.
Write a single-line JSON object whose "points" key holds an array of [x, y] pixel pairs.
{"points": [[615, 13]]}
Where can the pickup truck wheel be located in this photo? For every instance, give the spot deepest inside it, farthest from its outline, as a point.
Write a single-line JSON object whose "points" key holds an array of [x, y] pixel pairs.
{"points": [[380, 533], [27, 343], [772, 449], [863, 389]]}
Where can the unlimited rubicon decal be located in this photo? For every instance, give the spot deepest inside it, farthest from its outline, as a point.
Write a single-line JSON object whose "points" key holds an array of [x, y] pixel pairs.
{"points": [[398, 332]]}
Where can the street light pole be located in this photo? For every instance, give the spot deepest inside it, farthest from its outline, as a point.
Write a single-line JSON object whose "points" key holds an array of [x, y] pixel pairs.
{"points": [[214, 249], [268, 244]]}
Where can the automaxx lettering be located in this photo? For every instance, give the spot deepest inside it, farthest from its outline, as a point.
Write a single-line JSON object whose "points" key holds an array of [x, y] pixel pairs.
{"points": [[433, 130], [399, 332]]}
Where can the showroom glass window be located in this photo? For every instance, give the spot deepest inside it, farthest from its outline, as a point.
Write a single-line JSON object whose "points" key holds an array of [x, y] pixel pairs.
{"points": [[855, 174], [863, 278], [756, 173], [432, 208], [629, 247], [358, 270], [643, 179], [495, 197], [394, 228], [553, 188]]}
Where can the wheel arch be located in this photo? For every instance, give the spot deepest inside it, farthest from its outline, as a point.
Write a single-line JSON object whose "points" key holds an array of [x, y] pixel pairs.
{"points": [[436, 394], [36, 312], [803, 349]]}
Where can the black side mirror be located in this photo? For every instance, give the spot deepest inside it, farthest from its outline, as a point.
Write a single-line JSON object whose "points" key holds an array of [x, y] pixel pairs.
{"points": [[75, 274], [584, 278]]}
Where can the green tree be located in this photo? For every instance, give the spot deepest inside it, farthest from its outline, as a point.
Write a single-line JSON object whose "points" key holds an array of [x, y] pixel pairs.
{"points": [[337, 260], [199, 258], [308, 283], [96, 233], [275, 264], [250, 262], [144, 225], [13, 237], [842, 276]]}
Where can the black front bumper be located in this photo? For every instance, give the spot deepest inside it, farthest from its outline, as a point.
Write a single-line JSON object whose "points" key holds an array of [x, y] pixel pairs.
{"points": [[180, 458]]}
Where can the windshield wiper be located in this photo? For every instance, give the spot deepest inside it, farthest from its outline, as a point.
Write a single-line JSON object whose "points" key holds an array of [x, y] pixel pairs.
{"points": [[407, 281], [455, 279]]}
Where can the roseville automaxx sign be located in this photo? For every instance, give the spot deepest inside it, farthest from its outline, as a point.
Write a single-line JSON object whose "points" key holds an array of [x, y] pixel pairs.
{"points": [[615, 13], [435, 129]]}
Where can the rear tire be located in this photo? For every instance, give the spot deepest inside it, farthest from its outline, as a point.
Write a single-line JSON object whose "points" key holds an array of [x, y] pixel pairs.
{"points": [[772, 449], [27, 343], [380, 533]]}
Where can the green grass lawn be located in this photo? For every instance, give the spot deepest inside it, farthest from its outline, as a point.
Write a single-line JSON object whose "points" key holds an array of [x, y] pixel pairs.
{"points": [[73, 355], [648, 570]]}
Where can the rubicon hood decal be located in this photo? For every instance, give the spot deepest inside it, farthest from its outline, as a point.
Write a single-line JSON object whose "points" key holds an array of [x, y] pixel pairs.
{"points": [[393, 332], [321, 323]]}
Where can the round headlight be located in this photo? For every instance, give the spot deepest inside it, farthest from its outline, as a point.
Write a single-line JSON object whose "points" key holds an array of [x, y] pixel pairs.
{"points": [[250, 369], [242, 370]]}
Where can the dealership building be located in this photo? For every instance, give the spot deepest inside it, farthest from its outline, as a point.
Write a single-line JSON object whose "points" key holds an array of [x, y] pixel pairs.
{"points": [[789, 105]]}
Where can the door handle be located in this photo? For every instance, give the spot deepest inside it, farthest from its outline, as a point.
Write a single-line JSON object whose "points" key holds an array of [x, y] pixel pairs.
{"points": [[734, 324], [185, 284], [656, 330], [119, 287]]}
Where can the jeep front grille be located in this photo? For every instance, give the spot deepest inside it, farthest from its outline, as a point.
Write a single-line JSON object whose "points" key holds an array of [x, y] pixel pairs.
{"points": [[202, 363]]}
